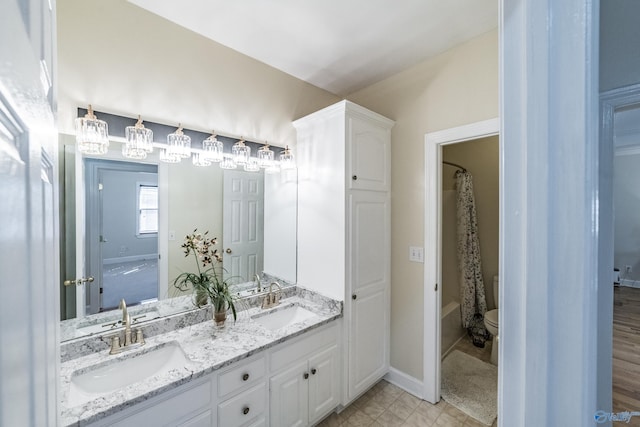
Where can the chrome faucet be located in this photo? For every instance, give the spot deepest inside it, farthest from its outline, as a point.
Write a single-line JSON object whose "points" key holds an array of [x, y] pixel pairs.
{"points": [[272, 299], [129, 343], [256, 278]]}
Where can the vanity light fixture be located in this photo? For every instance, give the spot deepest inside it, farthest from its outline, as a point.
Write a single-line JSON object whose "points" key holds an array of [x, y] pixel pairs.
{"points": [[252, 165], [200, 159], [287, 160], [179, 144], [138, 141], [240, 152], [265, 156], [228, 162], [213, 148], [92, 134]]}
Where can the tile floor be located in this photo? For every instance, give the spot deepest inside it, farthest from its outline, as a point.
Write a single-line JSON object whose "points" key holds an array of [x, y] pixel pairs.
{"points": [[386, 405]]}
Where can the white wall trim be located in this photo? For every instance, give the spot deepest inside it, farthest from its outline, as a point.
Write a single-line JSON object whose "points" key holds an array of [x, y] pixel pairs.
{"points": [[404, 381], [432, 242], [630, 283]]}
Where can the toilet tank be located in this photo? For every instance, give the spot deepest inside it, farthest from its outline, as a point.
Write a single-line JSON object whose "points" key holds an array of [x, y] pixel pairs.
{"points": [[496, 290]]}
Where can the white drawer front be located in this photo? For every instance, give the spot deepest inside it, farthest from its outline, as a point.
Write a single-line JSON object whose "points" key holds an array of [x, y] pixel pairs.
{"points": [[244, 408], [239, 377]]}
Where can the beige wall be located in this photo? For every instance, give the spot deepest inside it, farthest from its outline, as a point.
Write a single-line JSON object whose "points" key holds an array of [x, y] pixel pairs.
{"points": [[457, 87], [125, 60], [480, 157]]}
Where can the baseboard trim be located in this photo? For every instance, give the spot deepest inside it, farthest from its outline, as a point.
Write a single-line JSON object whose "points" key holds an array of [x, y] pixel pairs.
{"points": [[630, 283], [405, 382]]}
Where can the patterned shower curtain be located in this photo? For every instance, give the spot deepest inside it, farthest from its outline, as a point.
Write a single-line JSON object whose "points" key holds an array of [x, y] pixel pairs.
{"points": [[473, 303]]}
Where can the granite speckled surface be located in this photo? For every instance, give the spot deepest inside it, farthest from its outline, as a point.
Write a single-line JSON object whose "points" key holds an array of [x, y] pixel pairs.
{"points": [[206, 347]]}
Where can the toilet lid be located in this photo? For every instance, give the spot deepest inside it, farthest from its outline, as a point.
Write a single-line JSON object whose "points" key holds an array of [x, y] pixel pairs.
{"points": [[491, 317]]}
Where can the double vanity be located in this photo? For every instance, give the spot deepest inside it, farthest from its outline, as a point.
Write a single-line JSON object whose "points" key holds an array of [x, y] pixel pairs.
{"points": [[272, 366]]}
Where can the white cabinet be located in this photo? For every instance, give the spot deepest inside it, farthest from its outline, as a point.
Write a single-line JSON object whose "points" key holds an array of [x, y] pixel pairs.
{"points": [[344, 225], [242, 393], [305, 387]]}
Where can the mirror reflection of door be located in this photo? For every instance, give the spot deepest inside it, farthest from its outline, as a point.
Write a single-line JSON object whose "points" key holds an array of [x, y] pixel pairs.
{"points": [[121, 240], [243, 225]]}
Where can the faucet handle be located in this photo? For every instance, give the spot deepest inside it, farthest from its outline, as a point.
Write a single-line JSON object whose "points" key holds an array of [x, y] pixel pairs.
{"points": [[115, 344], [139, 337]]}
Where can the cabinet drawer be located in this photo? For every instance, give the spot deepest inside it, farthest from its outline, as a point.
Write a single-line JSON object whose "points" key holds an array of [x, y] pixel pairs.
{"points": [[239, 377], [290, 352], [203, 420], [244, 408]]}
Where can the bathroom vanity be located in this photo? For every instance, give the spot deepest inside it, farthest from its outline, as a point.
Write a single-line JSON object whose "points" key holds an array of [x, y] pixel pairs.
{"points": [[279, 366]]}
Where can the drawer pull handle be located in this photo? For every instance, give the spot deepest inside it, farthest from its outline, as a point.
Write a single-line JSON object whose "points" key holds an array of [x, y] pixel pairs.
{"points": [[245, 377], [313, 371], [306, 375], [245, 410]]}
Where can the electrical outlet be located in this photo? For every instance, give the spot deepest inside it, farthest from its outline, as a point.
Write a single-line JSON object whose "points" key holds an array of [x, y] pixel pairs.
{"points": [[416, 254]]}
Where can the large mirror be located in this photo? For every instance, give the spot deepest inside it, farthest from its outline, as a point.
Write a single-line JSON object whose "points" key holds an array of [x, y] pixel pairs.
{"points": [[123, 223]]}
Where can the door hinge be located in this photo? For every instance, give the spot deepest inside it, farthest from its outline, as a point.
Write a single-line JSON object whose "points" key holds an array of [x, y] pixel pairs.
{"points": [[436, 289]]}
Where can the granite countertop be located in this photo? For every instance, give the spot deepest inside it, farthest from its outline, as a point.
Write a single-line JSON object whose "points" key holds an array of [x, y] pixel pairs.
{"points": [[206, 347]]}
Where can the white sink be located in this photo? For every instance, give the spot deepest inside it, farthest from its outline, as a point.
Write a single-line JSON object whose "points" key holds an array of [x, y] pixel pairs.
{"points": [[284, 317], [110, 377]]}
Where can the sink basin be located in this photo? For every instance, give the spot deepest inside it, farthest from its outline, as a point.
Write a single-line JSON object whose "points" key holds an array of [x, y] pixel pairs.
{"points": [[284, 317], [120, 373]]}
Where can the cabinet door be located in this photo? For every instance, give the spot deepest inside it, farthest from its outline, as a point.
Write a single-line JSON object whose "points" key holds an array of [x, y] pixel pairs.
{"points": [[289, 394], [324, 389], [368, 308], [369, 148]]}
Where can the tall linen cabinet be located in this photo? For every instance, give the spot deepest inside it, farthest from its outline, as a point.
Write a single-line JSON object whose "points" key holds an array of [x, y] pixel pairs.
{"points": [[344, 162]]}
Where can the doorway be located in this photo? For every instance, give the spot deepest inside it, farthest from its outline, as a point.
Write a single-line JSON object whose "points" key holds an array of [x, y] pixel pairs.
{"points": [[121, 233], [434, 143]]}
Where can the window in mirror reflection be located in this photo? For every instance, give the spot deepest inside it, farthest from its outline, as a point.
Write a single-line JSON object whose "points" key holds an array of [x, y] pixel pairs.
{"points": [[147, 209]]}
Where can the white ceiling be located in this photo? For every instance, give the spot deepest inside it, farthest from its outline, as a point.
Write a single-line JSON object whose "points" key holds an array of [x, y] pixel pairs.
{"points": [[337, 45]]}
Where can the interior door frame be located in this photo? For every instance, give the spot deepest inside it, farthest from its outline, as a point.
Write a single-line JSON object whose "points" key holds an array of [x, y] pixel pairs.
{"points": [[434, 141]]}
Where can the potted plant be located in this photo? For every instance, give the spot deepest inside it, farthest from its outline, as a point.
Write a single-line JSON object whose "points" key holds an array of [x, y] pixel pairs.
{"points": [[207, 284]]}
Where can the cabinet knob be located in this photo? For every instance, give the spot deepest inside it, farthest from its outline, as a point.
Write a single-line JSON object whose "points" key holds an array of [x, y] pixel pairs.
{"points": [[245, 377], [306, 375], [245, 410], [313, 371], [354, 177], [354, 296]]}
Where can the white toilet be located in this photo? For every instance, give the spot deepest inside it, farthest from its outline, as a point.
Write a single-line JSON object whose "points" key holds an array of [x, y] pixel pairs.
{"points": [[491, 323]]}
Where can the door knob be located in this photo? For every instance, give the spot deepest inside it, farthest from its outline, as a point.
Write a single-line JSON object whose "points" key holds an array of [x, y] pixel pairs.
{"points": [[228, 250], [78, 281]]}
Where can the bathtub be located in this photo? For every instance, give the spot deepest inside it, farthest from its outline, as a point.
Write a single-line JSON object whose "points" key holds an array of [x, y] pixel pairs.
{"points": [[451, 329]]}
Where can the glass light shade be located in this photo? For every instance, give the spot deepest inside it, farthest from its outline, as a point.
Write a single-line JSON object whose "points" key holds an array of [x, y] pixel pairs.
{"points": [[228, 162], [252, 165], [265, 156], [200, 159], [92, 134], [138, 140], [240, 153], [213, 148], [168, 156], [287, 160], [179, 143], [133, 153]]}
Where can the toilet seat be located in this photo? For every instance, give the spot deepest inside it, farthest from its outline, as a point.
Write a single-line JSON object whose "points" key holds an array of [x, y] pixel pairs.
{"points": [[491, 318]]}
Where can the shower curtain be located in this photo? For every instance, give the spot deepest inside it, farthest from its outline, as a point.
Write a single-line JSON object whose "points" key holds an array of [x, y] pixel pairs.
{"points": [[473, 303]]}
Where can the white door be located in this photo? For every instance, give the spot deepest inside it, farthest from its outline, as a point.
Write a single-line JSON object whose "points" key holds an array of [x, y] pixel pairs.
{"points": [[29, 254], [243, 224], [288, 397], [324, 388], [369, 286]]}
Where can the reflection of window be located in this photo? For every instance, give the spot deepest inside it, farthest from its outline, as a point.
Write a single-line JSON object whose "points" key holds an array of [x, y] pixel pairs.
{"points": [[147, 208]]}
